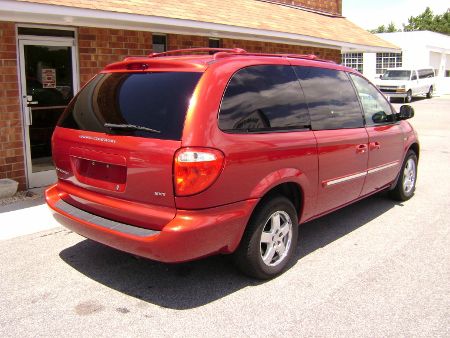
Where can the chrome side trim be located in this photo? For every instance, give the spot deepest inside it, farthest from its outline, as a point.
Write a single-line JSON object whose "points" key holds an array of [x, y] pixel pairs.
{"points": [[345, 179], [104, 222], [382, 167], [361, 174]]}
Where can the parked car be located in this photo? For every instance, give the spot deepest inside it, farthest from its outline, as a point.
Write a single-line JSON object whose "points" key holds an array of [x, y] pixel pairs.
{"points": [[177, 157], [407, 82]]}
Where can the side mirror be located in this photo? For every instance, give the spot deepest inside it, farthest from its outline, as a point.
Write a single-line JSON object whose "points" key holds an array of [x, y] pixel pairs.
{"points": [[406, 112], [381, 76], [379, 117]]}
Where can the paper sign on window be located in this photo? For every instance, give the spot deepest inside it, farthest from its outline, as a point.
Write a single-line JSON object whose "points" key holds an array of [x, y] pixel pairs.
{"points": [[48, 78]]}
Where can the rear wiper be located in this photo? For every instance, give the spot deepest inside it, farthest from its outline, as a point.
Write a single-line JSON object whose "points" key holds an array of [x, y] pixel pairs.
{"points": [[130, 127]]}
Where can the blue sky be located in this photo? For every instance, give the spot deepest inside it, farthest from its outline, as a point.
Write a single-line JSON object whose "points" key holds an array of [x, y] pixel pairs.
{"points": [[371, 14]]}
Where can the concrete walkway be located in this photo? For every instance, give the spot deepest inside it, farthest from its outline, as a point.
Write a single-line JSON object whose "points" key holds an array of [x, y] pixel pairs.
{"points": [[25, 217]]}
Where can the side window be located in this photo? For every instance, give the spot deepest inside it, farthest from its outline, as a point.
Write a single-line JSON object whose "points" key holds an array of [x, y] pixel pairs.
{"points": [[376, 108], [263, 98], [427, 73], [331, 98]]}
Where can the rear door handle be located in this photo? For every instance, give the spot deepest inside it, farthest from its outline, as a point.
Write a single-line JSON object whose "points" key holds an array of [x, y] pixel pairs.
{"points": [[374, 145], [361, 148]]}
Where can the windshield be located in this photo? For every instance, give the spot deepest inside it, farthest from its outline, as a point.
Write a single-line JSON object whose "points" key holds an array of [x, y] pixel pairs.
{"points": [[396, 75], [150, 101]]}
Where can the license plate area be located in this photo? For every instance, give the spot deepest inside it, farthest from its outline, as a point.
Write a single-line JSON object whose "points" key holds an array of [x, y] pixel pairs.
{"points": [[99, 174]]}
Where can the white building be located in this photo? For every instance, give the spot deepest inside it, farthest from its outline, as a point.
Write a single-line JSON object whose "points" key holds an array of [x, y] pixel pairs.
{"points": [[419, 49]]}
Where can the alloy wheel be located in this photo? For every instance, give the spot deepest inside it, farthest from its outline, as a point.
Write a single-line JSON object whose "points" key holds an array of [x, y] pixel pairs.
{"points": [[276, 238], [409, 176]]}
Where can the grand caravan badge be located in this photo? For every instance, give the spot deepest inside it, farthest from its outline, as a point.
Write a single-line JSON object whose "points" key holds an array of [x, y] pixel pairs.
{"points": [[99, 139]]}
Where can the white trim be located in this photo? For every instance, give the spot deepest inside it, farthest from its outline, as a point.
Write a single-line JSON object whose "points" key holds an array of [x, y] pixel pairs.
{"points": [[382, 167], [361, 174], [52, 14], [61, 28], [45, 177], [345, 179]]}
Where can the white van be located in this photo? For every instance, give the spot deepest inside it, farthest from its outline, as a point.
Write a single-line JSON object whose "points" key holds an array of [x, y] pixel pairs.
{"points": [[407, 82]]}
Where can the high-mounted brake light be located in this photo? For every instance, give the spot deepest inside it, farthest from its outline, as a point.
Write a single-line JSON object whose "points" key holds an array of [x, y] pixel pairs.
{"points": [[137, 66], [196, 169]]}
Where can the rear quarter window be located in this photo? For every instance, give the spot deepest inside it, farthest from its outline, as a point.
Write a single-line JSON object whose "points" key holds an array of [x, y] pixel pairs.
{"points": [[263, 98], [156, 100], [425, 73]]}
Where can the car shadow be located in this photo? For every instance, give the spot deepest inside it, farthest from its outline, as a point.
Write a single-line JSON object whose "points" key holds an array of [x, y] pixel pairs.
{"points": [[193, 284]]}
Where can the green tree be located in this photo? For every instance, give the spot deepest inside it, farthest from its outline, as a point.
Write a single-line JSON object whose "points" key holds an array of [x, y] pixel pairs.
{"points": [[429, 22], [379, 29], [383, 29], [426, 21], [391, 28]]}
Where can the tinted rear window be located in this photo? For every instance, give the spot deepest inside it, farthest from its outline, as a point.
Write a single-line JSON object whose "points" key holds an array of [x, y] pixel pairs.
{"points": [[152, 100], [331, 98], [263, 98]]}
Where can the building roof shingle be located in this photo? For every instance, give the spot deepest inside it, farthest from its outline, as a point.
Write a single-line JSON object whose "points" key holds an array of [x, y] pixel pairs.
{"points": [[252, 14]]}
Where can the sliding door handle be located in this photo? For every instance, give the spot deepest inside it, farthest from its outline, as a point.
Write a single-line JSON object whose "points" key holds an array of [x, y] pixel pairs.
{"points": [[361, 148]]}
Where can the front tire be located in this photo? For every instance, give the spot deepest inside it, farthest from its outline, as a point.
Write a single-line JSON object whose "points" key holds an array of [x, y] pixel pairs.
{"points": [[270, 239], [406, 183], [408, 97]]}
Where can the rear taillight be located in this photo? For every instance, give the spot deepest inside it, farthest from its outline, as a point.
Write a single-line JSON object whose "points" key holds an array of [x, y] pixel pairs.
{"points": [[195, 169]]}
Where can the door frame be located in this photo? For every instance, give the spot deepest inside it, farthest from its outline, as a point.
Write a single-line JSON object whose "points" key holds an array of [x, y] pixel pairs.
{"points": [[42, 178]]}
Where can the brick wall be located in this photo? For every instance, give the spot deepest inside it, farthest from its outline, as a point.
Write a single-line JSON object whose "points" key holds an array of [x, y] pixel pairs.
{"points": [[175, 41], [330, 6], [11, 134], [100, 46], [270, 47]]}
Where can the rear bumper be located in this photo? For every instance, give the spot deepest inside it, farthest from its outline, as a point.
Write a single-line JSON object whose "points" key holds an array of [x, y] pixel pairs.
{"points": [[191, 234]]}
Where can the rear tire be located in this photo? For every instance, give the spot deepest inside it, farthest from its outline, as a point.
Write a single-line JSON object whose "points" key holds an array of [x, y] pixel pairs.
{"points": [[430, 92], [406, 184], [270, 239]]}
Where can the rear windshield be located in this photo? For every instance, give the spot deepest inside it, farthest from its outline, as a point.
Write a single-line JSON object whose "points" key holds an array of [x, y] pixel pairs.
{"points": [[158, 101]]}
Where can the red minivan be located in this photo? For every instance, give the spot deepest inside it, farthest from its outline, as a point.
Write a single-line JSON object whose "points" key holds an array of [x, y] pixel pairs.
{"points": [[175, 157]]}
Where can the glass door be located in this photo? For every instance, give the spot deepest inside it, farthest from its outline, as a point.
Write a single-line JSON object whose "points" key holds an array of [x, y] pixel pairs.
{"points": [[48, 83]]}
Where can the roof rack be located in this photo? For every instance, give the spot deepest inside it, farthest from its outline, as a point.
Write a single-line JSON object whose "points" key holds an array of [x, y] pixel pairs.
{"points": [[176, 51], [226, 52]]}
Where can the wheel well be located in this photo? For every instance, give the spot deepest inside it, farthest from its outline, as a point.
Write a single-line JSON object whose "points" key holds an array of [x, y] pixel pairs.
{"points": [[291, 191], [415, 147]]}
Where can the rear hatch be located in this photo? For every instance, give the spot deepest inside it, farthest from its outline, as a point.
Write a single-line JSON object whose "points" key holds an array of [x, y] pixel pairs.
{"points": [[113, 147]]}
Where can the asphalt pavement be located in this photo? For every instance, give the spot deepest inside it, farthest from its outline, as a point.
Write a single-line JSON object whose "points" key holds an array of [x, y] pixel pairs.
{"points": [[376, 268]]}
